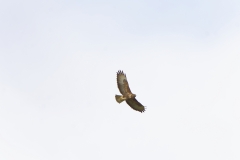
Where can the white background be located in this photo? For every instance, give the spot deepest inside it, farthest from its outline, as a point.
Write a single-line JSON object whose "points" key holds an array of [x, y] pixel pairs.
{"points": [[58, 64]]}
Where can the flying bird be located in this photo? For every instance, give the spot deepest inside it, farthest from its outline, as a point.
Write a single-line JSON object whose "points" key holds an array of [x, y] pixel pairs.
{"points": [[127, 95]]}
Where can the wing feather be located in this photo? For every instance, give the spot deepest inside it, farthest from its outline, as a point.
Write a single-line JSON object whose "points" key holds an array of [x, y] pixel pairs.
{"points": [[122, 83], [134, 104]]}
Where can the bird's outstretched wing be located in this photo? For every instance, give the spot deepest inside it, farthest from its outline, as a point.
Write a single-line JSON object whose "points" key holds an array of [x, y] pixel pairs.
{"points": [[134, 104], [122, 83]]}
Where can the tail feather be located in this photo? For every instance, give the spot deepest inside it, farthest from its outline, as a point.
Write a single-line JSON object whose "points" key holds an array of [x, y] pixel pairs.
{"points": [[119, 98]]}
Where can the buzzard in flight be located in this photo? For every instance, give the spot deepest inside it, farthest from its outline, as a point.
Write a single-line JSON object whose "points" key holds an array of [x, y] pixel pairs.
{"points": [[127, 95]]}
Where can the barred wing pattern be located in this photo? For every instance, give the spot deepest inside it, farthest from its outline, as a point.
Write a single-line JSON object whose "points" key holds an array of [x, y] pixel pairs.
{"points": [[123, 83], [134, 104]]}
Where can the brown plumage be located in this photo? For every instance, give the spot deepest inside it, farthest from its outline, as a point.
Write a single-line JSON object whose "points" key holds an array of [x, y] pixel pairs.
{"points": [[127, 95]]}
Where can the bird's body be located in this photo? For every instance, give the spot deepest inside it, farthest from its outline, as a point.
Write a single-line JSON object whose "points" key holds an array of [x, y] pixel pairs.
{"points": [[127, 95]]}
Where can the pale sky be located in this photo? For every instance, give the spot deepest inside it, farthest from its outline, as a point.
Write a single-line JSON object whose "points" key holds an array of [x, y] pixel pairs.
{"points": [[58, 64]]}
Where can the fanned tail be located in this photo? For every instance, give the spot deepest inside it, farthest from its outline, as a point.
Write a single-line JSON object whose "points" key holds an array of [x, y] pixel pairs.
{"points": [[119, 98]]}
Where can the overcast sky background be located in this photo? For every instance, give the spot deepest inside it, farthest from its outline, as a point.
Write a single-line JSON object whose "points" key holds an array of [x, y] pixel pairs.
{"points": [[58, 64]]}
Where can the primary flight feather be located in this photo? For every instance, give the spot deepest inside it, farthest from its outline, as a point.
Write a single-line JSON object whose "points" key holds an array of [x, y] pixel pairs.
{"points": [[127, 95]]}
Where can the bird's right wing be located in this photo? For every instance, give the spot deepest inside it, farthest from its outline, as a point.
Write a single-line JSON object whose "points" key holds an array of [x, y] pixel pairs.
{"points": [[123, 83]]}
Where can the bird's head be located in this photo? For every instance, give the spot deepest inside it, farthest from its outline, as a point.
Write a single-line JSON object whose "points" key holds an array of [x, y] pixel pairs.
{"points": [[133, 95]]}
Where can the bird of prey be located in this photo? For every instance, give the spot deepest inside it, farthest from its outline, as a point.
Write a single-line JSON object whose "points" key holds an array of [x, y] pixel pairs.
{"points": [[127, 95]]}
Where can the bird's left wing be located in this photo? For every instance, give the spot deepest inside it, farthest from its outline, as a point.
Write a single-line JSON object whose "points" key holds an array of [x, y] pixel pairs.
{"points": [[134, 104]]}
